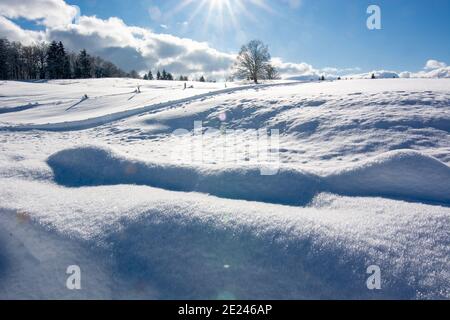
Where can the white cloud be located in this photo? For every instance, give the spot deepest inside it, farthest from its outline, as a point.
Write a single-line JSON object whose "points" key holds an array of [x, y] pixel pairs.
{"points": [[132, 47], [434, 64], [443, 72], [141, 49], [49, 13], [13, 32], [303, 70], [433, 69], [293, 69]]}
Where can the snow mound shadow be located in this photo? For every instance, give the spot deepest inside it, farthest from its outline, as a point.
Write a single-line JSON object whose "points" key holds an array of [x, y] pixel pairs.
{"points": [[93, 166], [402, 174]]}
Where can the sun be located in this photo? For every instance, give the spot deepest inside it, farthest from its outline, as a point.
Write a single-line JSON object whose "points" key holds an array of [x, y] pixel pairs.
{"points": [[218, 3], [222, 12]]}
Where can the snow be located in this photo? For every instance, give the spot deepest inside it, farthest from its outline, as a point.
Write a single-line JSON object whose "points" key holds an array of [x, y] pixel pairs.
{"points": [[165, 249], [93, 103], [363, 179], [396, 174]]}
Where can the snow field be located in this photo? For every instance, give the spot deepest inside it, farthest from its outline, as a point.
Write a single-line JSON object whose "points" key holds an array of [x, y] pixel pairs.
{"points": [[363, 180]]}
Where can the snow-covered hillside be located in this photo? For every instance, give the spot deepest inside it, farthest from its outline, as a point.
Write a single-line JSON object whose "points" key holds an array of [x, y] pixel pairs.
{"points": [[114, 183]]}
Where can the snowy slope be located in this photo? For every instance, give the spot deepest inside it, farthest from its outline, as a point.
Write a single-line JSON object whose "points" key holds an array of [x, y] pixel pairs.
{"points": [[363, 179], [64, 101]]}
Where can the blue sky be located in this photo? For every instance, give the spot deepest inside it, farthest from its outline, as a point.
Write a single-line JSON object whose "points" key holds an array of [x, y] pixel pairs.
{"points": [[201, 37], [324, 33]]}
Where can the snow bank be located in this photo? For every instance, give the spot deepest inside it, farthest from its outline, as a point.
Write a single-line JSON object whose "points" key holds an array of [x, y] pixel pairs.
{"points": [[91, 165], [140, 226], [34, 260], [137, 242], [404, 174]]}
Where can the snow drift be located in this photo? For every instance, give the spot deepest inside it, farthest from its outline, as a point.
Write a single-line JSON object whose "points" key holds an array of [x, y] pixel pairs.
{"points": [[404, 174], [141, 225], [90, 166], [136, 242]]}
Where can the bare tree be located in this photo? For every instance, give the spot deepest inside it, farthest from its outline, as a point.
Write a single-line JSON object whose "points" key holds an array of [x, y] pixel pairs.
{"points": [[272, 73], [253, 61]]}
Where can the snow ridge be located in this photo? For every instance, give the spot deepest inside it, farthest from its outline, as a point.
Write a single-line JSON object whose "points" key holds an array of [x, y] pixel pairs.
{"points": [[400, 174]]}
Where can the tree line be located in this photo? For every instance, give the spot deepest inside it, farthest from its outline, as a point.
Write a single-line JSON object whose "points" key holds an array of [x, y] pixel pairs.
{"points": [[51, 61], [164, 75]]}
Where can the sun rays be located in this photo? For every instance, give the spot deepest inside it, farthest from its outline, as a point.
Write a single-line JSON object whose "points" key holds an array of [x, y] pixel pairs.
{"points": [[222, 13]]}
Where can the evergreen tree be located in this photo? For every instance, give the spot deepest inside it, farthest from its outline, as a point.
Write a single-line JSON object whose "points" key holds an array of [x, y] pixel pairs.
{"points": [[202, 79], [145, 77], [64, 69], [164, 75], [373, 76], [84, 64], [150, 75], [158, 75], [4, 67], [52, 60], [41, 52], [77, 69]]}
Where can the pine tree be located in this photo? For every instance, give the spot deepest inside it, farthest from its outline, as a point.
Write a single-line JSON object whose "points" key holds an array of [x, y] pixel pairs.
{"points": [[145, 77], [64, 69], [77, 69], [158, 75], [84, 64], [4, 68], [164, 75], [150, 75], [202, 79], [52, 60]]}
